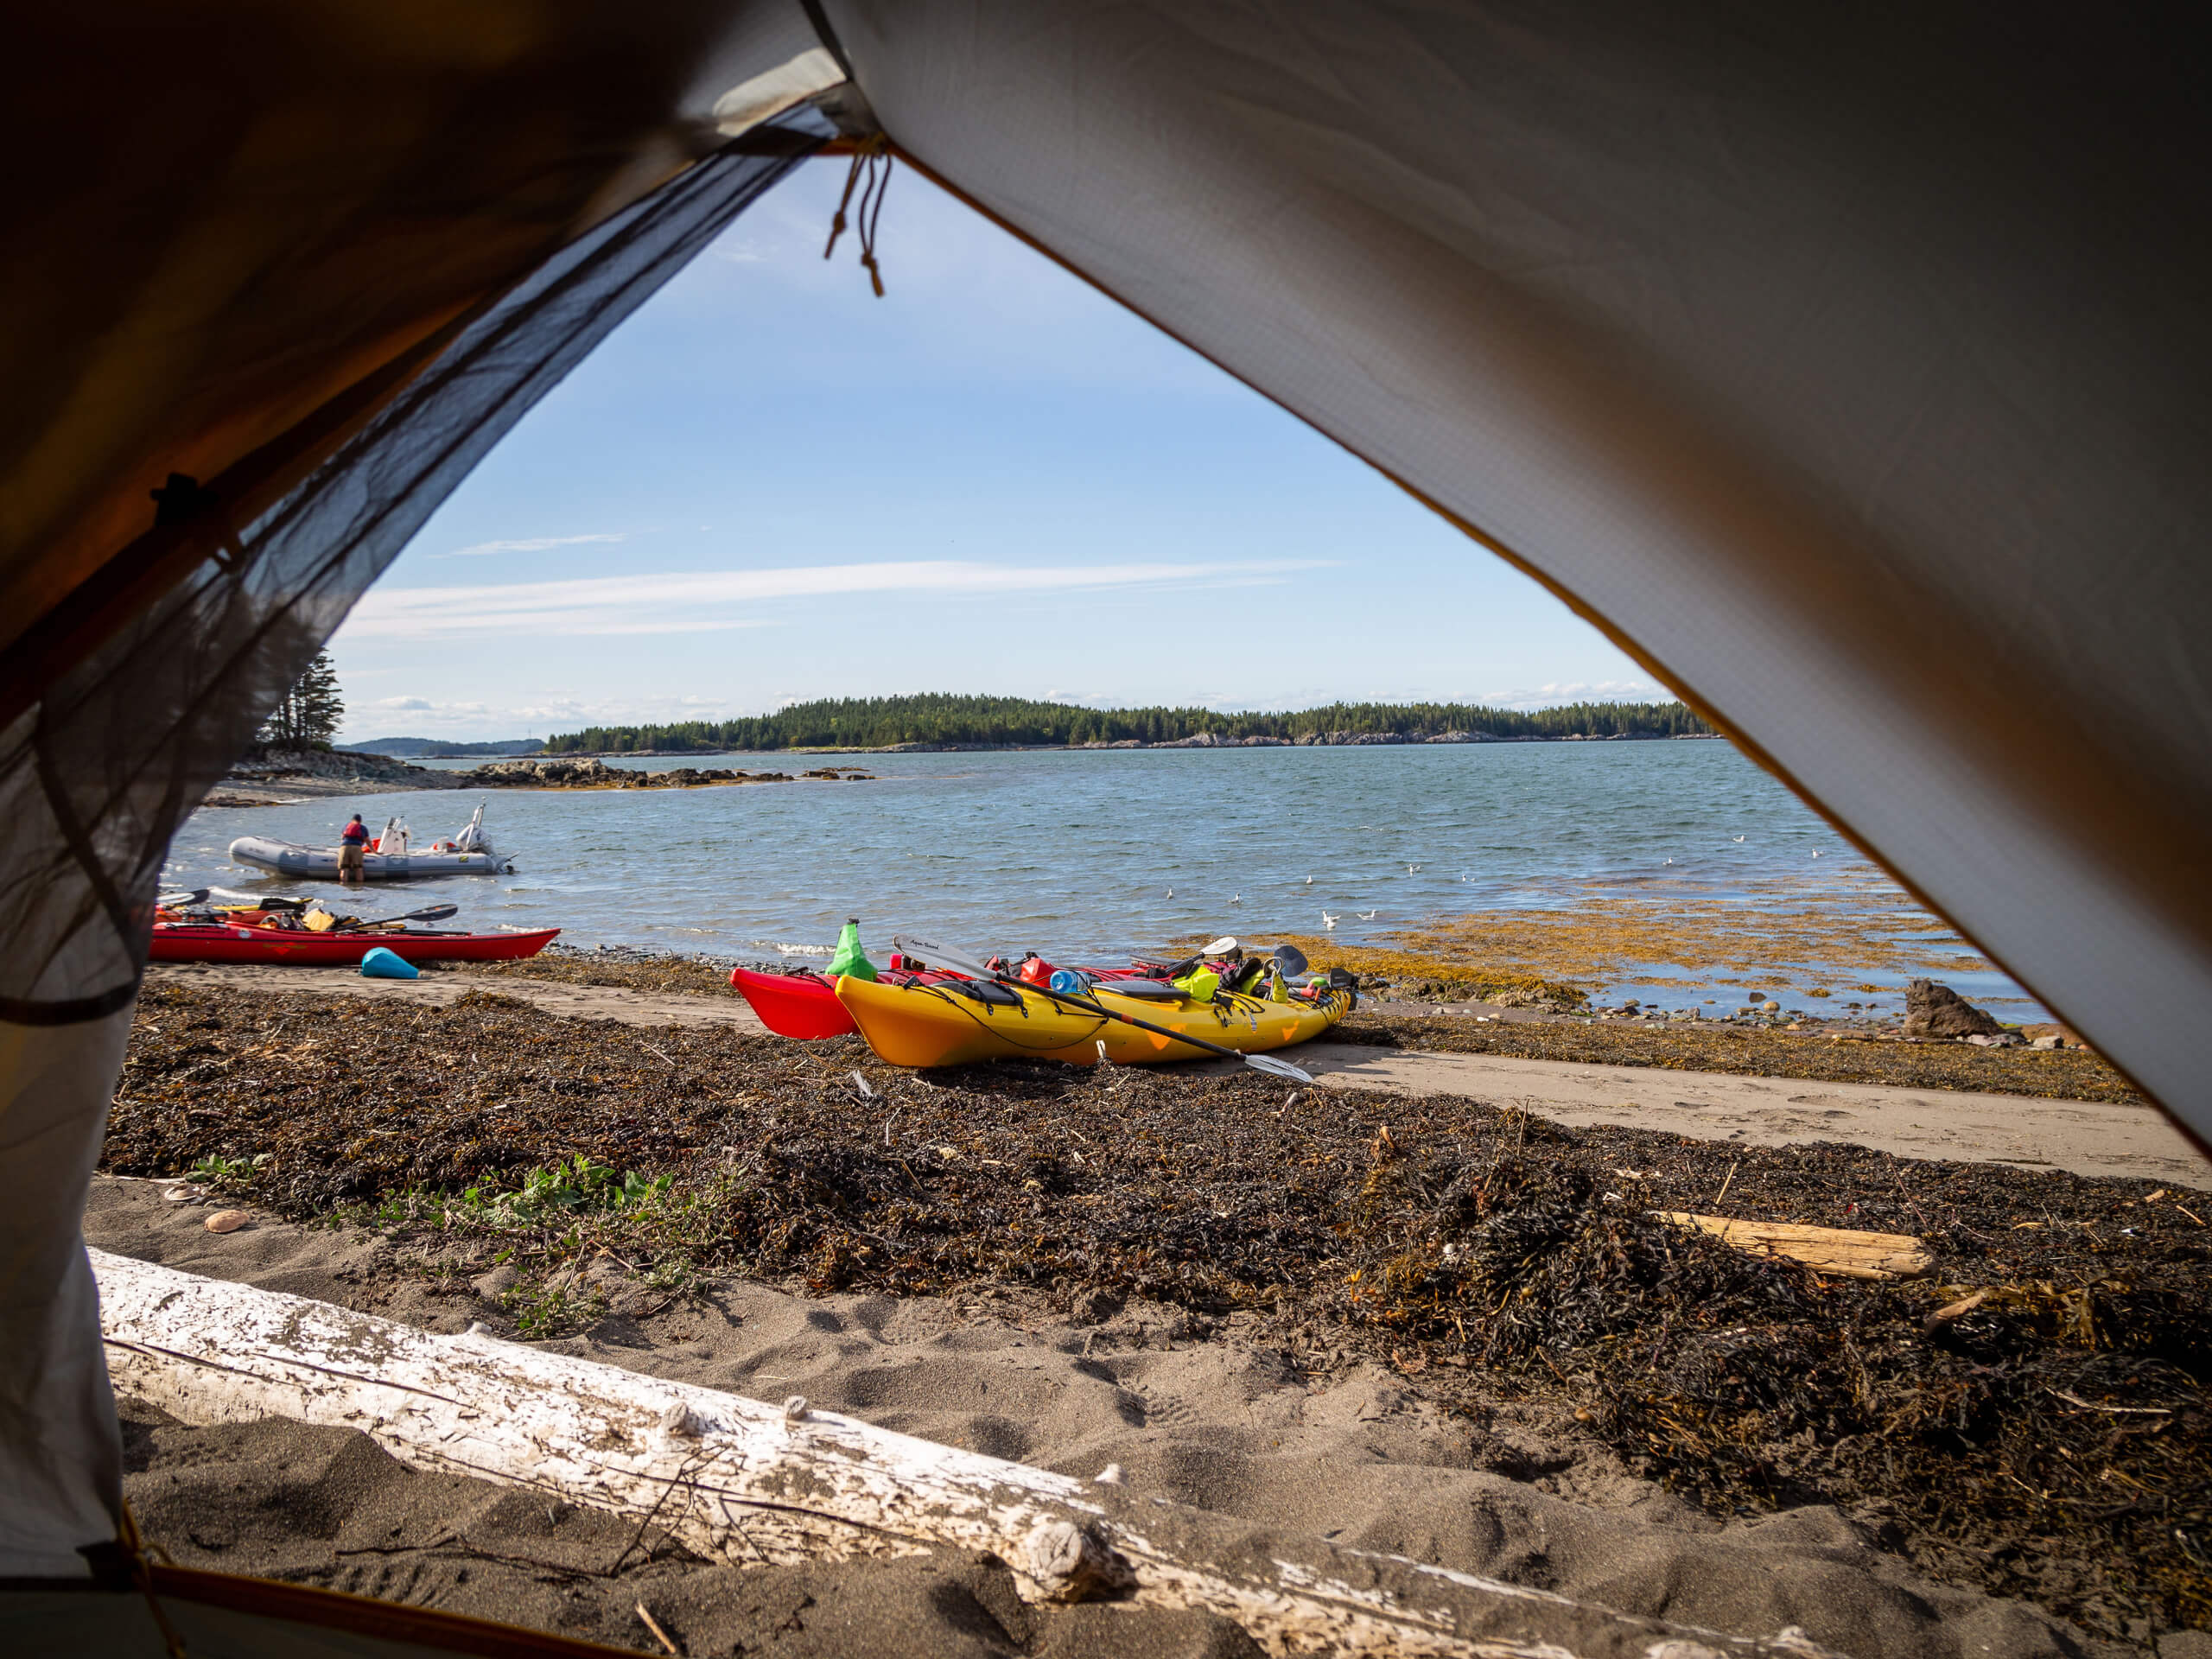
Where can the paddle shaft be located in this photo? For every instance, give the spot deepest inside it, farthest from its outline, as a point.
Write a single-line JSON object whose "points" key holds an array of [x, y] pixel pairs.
{"points": [[1257, 1062], [428, 913]]}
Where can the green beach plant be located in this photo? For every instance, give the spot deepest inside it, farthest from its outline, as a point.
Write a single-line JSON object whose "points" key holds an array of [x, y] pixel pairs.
{"points": [[227, 1174]]}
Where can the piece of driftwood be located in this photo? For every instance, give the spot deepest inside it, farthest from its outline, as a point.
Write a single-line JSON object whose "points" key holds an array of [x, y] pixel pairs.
{"points": [[743, 1482], [1825, 1250]]}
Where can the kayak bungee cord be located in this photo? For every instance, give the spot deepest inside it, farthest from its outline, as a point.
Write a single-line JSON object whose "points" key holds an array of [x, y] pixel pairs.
{"points": [[966, 963], [960, 1004]]}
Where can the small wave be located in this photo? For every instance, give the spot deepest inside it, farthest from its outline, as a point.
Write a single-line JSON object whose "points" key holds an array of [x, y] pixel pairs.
{"points": [[794, 950]]}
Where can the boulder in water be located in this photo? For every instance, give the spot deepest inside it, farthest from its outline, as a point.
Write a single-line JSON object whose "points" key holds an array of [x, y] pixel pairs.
{"points": [[1933, 1010]]}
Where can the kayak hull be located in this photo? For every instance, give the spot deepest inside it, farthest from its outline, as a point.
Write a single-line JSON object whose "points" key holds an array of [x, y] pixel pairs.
{"points": [[800, 1005], [804, 1005], [292, 947], [931, 1026], [321, 863]]}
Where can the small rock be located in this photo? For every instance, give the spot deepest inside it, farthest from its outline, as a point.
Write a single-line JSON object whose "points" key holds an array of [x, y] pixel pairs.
{"points": [[1770, 1007], [227, 1221], [2053, 1041]]}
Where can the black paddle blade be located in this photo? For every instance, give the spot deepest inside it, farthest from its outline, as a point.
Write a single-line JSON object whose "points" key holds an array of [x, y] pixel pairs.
{"points": [[433, 913], [1291, 959]]}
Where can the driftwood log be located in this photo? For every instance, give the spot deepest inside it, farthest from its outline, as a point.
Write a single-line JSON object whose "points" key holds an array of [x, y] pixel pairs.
{"points": [[741, 1481], [1826, 1250]]}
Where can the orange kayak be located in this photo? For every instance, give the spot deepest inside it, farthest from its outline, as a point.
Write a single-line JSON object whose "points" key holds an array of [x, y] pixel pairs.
{"points": [[946, 1025]]}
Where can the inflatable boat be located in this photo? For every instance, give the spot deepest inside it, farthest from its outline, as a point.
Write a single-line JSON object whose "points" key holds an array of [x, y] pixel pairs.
{"points": [[390, 857], [959, 1021]]}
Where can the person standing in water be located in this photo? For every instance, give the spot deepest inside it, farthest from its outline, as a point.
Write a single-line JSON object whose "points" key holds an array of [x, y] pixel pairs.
{"points": [[353, 852]]}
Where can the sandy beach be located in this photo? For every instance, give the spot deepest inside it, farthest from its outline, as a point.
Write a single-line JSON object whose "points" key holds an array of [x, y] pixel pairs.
{"points": [[1290, 1307], [1355, 1452]]}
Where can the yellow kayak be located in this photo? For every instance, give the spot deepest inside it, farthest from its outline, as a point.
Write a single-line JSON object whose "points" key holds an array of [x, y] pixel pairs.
{"points": [[936, 1025]]}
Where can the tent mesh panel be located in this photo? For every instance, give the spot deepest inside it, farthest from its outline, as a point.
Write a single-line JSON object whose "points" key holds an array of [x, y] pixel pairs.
{"points": [[95, 779]]}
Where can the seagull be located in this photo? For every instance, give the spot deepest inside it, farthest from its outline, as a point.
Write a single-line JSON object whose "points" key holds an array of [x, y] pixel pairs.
{"points": [[1816, 855], [1238, 899], [1327, 920], [1171, 892], [1369, 915], [1739, 837], [1669, 860], [1413, 870], [1309, 881]]}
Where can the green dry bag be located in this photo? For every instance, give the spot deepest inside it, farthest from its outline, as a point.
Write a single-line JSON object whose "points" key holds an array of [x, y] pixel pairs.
{"points": [[851, 960]]}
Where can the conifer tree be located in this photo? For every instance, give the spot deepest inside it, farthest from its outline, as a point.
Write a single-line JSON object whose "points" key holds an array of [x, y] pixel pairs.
{"points": [[311, 712]]}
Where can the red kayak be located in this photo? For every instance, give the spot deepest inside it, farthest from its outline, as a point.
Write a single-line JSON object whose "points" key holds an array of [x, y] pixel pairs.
{"points": [[297, 947], [803, 1004]]}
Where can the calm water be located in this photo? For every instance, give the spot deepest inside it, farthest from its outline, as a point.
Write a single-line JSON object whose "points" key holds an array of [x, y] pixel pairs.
{"points": [[1090, 855]]}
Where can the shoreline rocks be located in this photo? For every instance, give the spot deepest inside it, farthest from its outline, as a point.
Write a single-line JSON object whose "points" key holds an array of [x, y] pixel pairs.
{"points": [[1933, 1010], [562, 773]]}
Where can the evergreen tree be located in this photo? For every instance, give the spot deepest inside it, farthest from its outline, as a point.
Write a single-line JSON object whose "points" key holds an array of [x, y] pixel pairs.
{"points": [[309, 716]]}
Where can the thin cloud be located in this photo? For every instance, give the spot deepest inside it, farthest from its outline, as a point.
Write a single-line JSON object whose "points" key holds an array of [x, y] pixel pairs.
{"points": [[527, 544], [696, 602]]}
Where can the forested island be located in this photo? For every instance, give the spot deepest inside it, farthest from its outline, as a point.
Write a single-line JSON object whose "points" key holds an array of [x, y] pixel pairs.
{"points": [[943, 721]]}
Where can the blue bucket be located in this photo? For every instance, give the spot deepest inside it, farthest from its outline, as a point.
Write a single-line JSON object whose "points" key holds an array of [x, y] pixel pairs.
{"points": [[381, 963]]}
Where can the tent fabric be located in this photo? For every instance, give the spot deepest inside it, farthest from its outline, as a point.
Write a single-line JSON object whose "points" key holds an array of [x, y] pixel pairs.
{"points": [[1848, 366], [96, 775], [222, 216], [61, 1450]]}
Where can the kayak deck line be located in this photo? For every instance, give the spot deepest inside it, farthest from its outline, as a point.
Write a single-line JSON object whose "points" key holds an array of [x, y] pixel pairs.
{"points": [[924, 1026]]}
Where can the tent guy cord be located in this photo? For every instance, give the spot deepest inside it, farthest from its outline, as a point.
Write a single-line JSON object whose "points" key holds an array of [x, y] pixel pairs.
{"points": [[138, 1556], [873, 187]]}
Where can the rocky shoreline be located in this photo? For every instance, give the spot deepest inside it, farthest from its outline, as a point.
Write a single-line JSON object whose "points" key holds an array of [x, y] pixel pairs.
{"points": [[1202, 740], [567, 773], [278, 778]]}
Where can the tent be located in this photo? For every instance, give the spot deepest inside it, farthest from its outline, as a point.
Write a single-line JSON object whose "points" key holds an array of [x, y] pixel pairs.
{"points": [[1848, 367]]}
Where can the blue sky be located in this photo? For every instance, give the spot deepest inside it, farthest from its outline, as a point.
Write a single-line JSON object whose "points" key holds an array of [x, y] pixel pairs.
{"points": [[769, 486]]}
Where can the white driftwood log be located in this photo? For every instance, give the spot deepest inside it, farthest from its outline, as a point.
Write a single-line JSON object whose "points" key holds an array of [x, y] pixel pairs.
{"points": [[741, 1481]]}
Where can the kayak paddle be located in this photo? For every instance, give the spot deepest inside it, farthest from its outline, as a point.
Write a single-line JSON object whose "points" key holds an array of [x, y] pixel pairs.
{"points": [[434, 913], [264, 901], [179, 900], [968, 965]]}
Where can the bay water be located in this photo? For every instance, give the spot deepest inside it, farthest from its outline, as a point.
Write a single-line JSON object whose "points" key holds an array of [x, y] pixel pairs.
{"points": [[1091, 856]]}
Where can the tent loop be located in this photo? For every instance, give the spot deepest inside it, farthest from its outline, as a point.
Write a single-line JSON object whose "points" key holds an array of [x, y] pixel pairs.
{"points": [[138, 1556], [874, 185], [185, 499]]}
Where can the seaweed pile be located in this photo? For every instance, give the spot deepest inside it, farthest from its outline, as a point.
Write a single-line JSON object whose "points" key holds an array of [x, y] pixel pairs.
{"points": [[2049, 1440]]}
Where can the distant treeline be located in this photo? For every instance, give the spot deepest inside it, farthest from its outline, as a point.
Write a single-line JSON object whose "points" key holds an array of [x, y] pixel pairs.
{"points": [[1014, 722]]}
